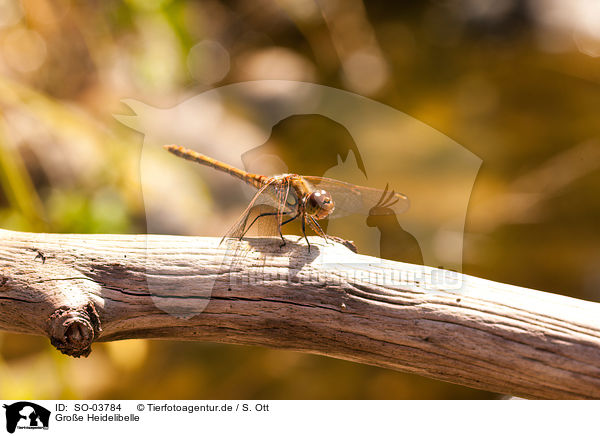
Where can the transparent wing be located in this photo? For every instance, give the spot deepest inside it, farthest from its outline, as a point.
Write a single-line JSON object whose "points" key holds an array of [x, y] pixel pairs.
{"points": [[267, 209], [274, 202], [353, 199]]}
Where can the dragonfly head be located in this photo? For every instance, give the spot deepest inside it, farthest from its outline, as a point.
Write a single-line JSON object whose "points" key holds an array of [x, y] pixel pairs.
{"points": [[319, 204]]}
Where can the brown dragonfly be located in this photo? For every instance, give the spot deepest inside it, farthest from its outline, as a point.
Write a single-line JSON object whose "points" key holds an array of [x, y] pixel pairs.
{"points": [[291, 196]]}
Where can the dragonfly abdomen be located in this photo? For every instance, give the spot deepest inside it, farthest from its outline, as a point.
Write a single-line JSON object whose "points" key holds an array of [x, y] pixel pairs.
{"points": [[253, 179]]}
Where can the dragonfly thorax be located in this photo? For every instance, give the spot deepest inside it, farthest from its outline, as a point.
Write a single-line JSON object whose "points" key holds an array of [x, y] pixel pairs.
{"points": [[319, 204]]}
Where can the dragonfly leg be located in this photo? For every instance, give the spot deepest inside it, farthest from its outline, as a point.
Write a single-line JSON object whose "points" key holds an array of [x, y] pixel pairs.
{"points": [[284, 223], [317, 228], [262, 215], [254, 220], [291, 219], [304, 230]]}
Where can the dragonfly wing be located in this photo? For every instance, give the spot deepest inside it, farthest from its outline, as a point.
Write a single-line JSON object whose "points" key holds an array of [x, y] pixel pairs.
{"points": [[265, 211], [353, 199]]}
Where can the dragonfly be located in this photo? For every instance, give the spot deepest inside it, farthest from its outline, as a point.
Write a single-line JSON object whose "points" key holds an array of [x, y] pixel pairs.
{"points": [[291, 196]]}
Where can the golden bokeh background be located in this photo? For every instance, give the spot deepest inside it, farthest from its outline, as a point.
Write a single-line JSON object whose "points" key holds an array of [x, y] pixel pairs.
{"points": [[514, 82]]}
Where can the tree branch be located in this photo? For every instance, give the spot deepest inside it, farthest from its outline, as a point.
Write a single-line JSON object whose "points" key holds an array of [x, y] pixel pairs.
{"points": [[77, 289]]}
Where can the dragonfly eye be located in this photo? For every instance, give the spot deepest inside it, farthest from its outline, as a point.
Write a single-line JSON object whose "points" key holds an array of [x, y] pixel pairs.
{"points": [[319, 204]]}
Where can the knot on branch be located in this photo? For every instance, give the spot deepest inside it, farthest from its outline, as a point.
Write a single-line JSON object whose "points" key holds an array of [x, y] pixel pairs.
{"points": [[72, 331]]}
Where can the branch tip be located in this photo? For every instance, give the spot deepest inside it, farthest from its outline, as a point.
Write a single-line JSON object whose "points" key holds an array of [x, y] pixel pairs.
{"points": [[72, 331]]}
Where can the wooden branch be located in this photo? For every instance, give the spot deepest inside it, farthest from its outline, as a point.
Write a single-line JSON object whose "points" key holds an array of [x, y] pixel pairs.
{"points": [[77, 289]]}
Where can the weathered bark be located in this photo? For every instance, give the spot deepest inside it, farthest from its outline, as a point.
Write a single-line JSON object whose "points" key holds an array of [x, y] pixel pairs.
{"points": [[77, 289]]}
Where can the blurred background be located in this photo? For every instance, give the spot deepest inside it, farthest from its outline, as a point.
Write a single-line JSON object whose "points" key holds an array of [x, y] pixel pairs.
{"points": [[514, 82]]}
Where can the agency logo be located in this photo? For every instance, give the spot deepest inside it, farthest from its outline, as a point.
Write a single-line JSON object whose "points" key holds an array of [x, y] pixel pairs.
{"points": [[26, 415]]}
